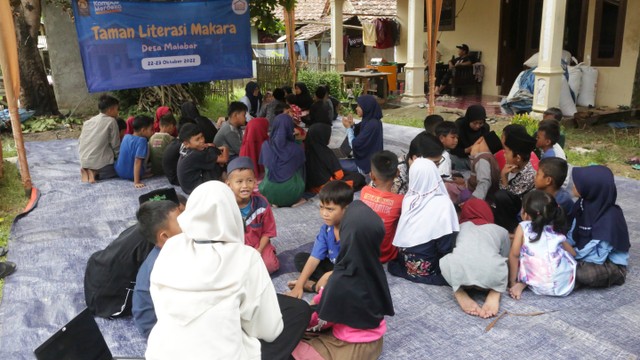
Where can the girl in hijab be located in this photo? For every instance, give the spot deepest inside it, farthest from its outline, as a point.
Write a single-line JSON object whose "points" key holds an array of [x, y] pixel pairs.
{"points": [[365, 137], [252, 98], [209, 131], [599, 234], [283, 160], [356, 298], [303, 96], [471, 127], [256, 133], [479, 259], [322, 164], [160, 112], [427, 228]]}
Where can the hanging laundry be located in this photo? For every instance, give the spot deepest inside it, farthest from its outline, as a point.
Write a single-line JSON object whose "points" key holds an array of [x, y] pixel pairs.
{"points": [[396, 33], [369, 33], [384, 33], [355, 42]]}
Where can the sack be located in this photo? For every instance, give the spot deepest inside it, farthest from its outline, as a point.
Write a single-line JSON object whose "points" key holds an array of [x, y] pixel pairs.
{"points": [[587, 95], [575, 77]]}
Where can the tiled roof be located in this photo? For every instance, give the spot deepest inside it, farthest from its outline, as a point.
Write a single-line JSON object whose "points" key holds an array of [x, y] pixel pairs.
{"points": [[371, 9], [306, 10]]}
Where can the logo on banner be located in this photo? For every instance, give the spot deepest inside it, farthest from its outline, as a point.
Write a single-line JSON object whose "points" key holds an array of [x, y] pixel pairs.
{"points": [[239, 6], [106, 7]]}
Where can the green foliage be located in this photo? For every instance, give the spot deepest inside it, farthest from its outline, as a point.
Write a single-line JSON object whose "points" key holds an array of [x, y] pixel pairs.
{"points": [[527, 121], [313, 79], [40, 124], [216, 106], [13, 201]]}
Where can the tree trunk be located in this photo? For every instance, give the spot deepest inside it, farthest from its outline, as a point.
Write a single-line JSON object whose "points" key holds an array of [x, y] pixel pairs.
{"points": [[36, 93]]}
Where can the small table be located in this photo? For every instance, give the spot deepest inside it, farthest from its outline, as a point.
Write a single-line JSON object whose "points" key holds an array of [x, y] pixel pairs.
{"points": [[365, 77]]}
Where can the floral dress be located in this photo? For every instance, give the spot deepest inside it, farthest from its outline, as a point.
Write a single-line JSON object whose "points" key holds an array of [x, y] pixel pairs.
{"points": [[545, 266]]}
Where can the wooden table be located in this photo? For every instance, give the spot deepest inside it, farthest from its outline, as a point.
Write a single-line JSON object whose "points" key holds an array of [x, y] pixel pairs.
{"points": [[365, 77]]}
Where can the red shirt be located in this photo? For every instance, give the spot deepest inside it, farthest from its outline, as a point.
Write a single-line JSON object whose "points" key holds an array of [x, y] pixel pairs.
{"points": [[388, 206]]}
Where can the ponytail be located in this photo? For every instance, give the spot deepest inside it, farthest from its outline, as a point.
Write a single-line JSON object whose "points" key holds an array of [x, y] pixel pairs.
{"points": [[543, 210]]}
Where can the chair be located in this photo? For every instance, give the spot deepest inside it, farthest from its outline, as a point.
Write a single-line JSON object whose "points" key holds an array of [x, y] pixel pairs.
{"points": [[464, 77]]}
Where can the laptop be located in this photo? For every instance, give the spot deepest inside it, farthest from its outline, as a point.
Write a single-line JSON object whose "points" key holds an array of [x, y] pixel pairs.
{"points": [[344, 151], [80, 339]]}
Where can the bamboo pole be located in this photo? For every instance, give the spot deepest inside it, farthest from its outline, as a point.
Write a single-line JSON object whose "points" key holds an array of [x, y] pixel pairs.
{"points": [[290, 28], [433, 23], [10, 74]]}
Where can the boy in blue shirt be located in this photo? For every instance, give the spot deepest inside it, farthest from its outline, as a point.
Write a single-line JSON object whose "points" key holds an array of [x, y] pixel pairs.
{"points": [[549, 178], [134, 150], [546, 138], [315, 268]]}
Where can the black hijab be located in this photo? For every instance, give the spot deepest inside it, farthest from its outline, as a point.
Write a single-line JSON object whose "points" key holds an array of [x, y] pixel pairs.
{"points": [[209, 131], [322, 163], [466, 136], [357, 294], [254, 100], [596, 213], [304, 99]]}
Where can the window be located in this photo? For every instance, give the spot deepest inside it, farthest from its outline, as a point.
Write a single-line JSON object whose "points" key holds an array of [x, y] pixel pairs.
{"points": [[608, 32]]}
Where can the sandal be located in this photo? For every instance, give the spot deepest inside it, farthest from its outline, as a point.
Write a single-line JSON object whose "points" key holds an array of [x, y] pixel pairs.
{"points": [[7, 268], [635, 167], [3, 251]]}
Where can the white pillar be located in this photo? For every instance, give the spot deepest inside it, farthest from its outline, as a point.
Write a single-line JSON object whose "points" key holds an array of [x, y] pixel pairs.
{"points": [[337, 47], [414, 70], [403, 14], [549, 72]]}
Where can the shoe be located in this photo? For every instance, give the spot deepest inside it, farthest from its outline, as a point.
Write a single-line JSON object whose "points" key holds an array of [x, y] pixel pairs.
{"points": [[3, 251], [7, 268]]}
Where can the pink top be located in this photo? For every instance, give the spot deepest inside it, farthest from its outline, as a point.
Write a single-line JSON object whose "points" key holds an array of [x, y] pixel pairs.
{"points": [[347, 333]]}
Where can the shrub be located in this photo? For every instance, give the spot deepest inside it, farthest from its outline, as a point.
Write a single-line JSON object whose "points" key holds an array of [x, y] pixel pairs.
{"points": [[312, 79], [527, 121]]}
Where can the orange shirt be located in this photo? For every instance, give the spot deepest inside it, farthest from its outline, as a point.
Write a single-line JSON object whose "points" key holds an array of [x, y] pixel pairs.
{"points": [[388, 206]]}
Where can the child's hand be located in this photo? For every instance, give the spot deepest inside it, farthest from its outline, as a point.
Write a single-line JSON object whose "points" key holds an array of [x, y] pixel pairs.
{"points": [[296, 292], [220, 121], [223, 158], [138, 185], [507, 169], [347, 121]]}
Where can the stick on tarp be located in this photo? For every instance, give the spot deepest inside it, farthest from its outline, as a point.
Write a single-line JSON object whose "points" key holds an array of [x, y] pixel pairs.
{"points": [[11, 77]]}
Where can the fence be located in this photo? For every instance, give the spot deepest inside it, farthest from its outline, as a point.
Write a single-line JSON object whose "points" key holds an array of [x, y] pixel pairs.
{"points": [[275, 72]]}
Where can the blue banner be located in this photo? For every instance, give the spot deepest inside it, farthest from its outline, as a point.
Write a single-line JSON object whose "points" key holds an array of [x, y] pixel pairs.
{"points": [[129, 44]]}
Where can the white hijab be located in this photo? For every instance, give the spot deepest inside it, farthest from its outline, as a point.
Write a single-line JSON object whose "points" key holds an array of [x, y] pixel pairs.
{"points": [[195, 269], [427, 211]]}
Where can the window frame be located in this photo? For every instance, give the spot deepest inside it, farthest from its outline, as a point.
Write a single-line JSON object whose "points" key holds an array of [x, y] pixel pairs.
{"points": [[597, 26]]}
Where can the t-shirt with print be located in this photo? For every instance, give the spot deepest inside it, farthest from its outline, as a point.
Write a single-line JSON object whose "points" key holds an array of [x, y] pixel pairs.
{"points": [[157, 144], [133, 147], [326, 245], [388, 206]]}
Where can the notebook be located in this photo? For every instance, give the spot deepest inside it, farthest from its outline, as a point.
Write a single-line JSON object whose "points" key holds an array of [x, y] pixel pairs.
{"points": [[344, 151], [80, 339]]}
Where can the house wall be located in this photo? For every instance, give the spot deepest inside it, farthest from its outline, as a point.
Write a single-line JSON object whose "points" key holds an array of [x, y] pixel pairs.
{"points": [[477, 25], [615, 84]]}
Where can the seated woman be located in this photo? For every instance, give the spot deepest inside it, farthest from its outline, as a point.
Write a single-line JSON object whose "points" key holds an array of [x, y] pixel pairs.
{"points": [[427, 227], [283, 161], [356, 298], [479, 259], [209, 131], [365, 137], [255, 134], [600, 235], [322, 164], [471, 127]]}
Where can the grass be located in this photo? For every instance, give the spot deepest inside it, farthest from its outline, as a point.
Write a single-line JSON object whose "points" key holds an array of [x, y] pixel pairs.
{"points": [[8, 145], [13, 201], [215, 106]]}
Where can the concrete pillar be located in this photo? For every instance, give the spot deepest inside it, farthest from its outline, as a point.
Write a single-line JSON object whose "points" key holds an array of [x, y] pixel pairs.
{"points": [[337, 47], [549, 72], [66, 65], [414, 70], [403, 14]]}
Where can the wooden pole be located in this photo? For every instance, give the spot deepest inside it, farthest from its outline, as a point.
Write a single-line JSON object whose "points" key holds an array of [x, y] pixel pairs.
{"points": [[11, 77], [433, 23], [290, 31]]}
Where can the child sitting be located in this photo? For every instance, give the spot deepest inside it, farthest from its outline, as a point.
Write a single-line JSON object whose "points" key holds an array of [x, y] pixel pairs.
{"points": [[516, 128], [259, 223], [478, 260], [540, 256], [555, 114], [384, 169], [159, 141], [320, 111], [356, 298], [485, 172], [447, 133], [516, 179], [315, 268], [199, 162], [99, 142], [550, 176], [599, 233], [157, 221], [470, 128], [172, 155], [431, 122], [547, 137], [122, 126], [230, 133], [134, 151], [427, 228]]}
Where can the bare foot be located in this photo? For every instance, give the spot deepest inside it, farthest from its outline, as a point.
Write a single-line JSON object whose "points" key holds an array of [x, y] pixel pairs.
{"points": [[91, 176], [491, 304], [84, 176], [466, 303], [300, 202], [516, 290], [308, 286]]}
